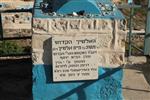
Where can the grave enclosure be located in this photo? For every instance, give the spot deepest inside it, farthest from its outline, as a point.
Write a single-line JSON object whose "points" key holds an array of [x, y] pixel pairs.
{"points": [[77, 50]]}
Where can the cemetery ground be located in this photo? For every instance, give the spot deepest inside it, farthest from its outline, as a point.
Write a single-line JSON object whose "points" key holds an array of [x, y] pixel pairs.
{"points": [[16, 79]]}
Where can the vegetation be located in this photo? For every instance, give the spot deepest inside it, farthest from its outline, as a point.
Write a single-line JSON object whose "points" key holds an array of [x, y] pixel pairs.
{"points": [[10, 47]]}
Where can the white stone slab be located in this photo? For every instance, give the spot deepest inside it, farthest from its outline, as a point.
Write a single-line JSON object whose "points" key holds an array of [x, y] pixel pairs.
{"points": [[75, 58]]}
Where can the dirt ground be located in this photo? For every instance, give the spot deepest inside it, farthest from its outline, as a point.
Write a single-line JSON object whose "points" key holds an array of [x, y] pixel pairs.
{"points": [[16, 80]]}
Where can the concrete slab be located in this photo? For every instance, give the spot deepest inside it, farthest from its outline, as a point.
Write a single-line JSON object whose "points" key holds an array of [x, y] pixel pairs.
{"points": [[135, 87], [136, 82]]}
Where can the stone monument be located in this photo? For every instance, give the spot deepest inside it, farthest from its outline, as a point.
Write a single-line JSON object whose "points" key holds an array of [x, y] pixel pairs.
{"points": [[77, 50]]}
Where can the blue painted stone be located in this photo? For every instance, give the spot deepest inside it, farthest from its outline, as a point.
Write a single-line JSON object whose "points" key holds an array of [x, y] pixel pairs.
{"points": [[89, 6], [69, 6], [107, 87]]}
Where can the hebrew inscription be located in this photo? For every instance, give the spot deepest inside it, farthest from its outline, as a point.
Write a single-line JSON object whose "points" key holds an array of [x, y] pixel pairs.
{"points": [[74, 58]]}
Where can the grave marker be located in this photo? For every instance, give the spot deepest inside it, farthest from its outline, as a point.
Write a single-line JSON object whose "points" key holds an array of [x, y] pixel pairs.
{"points": [[75, 58]]}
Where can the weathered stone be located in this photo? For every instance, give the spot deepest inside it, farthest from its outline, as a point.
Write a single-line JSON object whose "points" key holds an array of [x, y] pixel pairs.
{"points": [[110, 38], [116, 59], [121, 40], [42, 49], [74, 25], [40, 25], [42, 42], [37, 58], [17, 32], [42, 57], [114, 44], [122, 24], [80, 26], [106, 24], [102, 59], [104, 41], [59, 25], [13, 20], [88, 24]]}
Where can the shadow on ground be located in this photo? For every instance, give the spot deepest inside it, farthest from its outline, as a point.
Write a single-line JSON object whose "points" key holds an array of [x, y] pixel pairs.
{"points": [[143, 68], [136, 82], [16, 79]]}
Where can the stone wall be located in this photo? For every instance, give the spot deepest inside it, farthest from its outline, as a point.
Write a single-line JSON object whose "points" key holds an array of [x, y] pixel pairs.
{"points": [[111, 36], [11, 21]]}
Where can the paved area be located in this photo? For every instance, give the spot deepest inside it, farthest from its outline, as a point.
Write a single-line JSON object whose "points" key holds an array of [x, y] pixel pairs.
{"points": [[135, 86], [136, 83]]}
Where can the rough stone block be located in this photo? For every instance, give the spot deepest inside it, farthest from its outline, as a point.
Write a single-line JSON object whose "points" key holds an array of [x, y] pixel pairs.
{"points": [[88, 24], [107, 24], [37, 58], [42, 57], [13, 20], [80, 26], [122, 24], [40, 25], [42, 42], [121, 40], [111, 58], [74, 25], [110, 38], [116, 59], [59, 25], [104, 40], [102, 59]]}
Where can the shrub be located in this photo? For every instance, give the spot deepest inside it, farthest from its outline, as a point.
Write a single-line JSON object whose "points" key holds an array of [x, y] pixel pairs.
{"points": [[10, 47]]}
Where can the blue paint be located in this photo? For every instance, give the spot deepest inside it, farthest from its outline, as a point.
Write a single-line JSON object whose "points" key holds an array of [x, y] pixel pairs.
{"points": [[69, 6], [89, 6], [107, 87]]}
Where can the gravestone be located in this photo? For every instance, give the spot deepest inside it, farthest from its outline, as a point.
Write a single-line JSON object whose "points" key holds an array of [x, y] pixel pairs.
{"points": [[77, 50], [74, 58]]}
